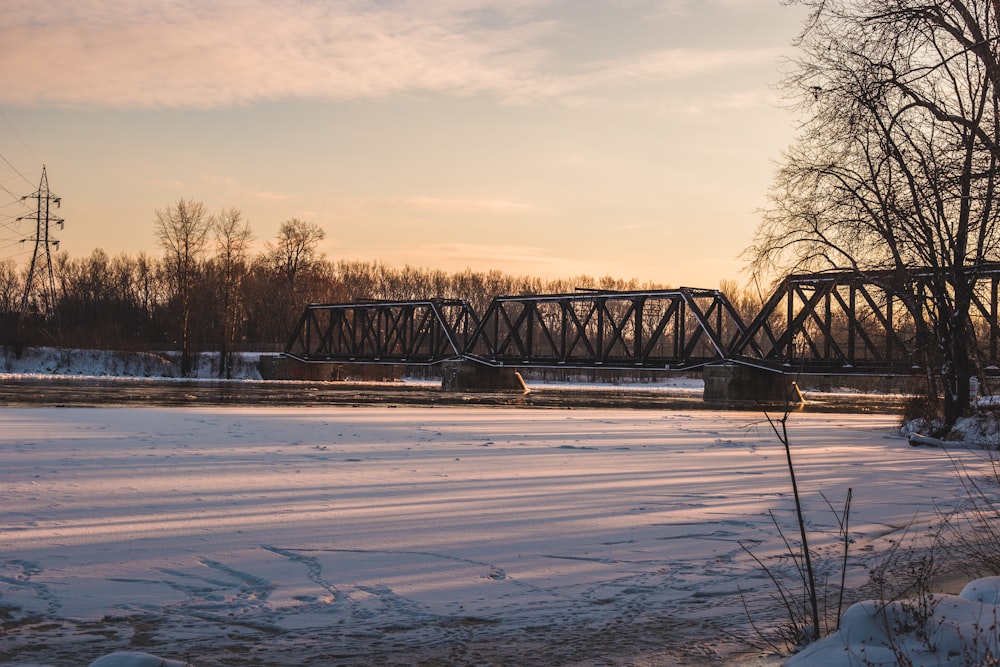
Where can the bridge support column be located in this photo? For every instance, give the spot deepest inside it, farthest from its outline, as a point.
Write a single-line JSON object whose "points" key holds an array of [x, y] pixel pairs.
{"points": [[471, 376], [736, 382]]}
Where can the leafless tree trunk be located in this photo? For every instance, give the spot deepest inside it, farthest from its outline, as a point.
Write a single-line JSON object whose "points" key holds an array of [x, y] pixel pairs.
{"points": [[11, 286], [232, 241], [294, 257], [182, 231]]}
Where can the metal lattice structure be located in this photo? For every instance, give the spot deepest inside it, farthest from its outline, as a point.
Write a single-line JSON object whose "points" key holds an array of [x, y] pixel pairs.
{"points": [[383, 332], [851, 322], [663, 329], [838, 322], [39, 285]]}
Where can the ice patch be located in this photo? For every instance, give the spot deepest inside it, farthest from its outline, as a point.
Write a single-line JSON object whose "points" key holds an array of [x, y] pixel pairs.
{"points": [[136, 659]]}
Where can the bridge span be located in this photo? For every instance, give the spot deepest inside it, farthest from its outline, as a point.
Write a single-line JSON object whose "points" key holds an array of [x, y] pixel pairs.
{"points": [[656, 329], [830, 323]]}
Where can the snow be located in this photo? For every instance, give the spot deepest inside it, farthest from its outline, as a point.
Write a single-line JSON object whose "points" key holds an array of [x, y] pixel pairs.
{"points": [[135, 659], [374, 534], [451, 536], [955, 630], [47, 362]]}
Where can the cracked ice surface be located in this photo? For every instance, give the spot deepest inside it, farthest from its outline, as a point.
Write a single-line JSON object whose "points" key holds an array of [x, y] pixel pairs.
{"points": [[407, 535]]}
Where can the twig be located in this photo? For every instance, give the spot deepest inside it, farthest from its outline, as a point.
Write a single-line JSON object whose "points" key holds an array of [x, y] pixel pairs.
{"points": [[811, 581]]}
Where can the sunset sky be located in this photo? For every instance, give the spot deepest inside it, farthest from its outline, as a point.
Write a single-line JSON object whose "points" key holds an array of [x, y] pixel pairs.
{"points": [[632, 138]]}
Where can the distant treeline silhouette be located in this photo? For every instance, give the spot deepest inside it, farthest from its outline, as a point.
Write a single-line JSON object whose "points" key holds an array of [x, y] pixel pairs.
{"points": [[129, 302]]}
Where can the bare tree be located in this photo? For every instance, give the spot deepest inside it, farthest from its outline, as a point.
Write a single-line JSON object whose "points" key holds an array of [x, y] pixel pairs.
{"points": [[232, 244], [295, 250], [11, 285], [182, 231], [294, 261], [895, 166], [147, 286]]}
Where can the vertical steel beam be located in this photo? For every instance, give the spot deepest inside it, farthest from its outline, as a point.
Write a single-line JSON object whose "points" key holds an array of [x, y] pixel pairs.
{"points": [[994, 325]]}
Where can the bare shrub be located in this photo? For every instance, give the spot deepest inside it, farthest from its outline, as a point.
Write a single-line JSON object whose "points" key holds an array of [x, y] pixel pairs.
{"points": [[905, 578], [924, 415], [799, 593], [974, 527]]}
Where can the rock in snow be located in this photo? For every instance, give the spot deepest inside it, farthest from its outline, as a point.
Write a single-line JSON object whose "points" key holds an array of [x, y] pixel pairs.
{"points": [[136, 659], [916, 439]]}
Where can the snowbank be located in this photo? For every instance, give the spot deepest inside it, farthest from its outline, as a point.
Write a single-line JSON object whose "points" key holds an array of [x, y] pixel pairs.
{"points": [[923, 632], [981, 429], [45, 361], [136, 659]]}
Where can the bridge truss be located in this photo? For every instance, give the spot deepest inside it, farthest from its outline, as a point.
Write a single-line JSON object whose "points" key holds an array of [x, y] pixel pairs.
{"points": [[665, 329], [838, 322], [383, 332], [849, 322]]}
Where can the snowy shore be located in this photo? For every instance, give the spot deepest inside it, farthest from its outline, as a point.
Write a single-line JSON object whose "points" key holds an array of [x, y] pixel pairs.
{"points": [[48, 361]]}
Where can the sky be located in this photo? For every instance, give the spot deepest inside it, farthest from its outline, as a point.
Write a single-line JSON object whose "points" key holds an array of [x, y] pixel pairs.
{"points": [[556, 138]]}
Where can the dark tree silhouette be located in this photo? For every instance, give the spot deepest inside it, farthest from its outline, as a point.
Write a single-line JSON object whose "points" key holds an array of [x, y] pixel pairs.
{"points": [[895, 166], [182, 231]]}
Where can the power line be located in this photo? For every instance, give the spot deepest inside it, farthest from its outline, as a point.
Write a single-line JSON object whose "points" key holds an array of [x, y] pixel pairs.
{"points": [[2, 157], [23, 143], [11, 235]]}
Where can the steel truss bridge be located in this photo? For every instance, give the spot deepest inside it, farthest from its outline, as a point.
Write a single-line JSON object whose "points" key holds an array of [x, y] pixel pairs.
{"points": [[839, 322]]}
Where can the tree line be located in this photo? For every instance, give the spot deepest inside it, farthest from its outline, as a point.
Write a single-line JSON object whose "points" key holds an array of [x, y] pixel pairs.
{"points": [[209, 291]]}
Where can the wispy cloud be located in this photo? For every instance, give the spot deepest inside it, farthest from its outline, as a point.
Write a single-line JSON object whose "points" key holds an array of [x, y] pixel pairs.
{"points": [[467, 205], [232, 187], [667, 64], [729, 101], [165, 184], [196, 54], [682, 7], [190, 53], [511, 258]]}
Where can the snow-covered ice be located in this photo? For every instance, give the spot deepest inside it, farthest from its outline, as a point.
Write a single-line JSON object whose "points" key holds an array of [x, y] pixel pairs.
{"points": [[470, 535]]}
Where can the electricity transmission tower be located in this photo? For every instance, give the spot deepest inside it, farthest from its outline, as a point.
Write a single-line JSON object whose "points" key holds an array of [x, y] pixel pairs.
{"points": [[40, 281]]}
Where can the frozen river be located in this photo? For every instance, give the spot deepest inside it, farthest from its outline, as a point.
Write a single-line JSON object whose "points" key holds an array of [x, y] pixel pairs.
{"points": [[447, 535], [62, 390]]}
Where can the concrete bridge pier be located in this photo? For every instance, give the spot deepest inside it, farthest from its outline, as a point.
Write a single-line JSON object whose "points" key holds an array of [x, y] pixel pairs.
{"points": [[472, 376], [736, 382]]}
